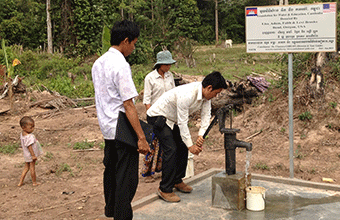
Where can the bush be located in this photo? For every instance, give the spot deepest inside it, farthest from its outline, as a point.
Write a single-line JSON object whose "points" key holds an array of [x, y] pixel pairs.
{"points": [[305, 116], [138, 74]]}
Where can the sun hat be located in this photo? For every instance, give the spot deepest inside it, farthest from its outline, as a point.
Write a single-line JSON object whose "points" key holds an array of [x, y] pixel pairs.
{"points": [[164, 57]]}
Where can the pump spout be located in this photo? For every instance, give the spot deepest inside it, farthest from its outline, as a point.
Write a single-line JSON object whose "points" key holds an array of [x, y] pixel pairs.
{"points": [[242, 144]]}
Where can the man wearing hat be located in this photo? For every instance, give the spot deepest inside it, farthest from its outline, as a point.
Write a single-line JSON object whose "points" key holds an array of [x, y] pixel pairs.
{"points": [[156, 83]]}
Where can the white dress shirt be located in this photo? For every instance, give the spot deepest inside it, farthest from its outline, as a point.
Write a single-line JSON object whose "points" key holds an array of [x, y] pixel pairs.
{"points": [[113, 84], [178, 103], [155, 85]]}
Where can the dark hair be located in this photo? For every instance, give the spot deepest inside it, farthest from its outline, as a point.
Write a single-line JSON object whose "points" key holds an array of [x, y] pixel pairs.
{"points": [[124, 29], [216, 80], [157, 66], [26, 120]]}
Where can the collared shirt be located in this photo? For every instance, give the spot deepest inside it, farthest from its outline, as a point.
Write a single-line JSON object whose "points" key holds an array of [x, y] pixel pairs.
{"points": [[178, 103], [155, 85], [113, 84]]}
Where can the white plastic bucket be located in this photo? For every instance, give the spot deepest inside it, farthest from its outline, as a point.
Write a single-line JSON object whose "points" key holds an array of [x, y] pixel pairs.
{"points": [[255, 198], [190, 166]]}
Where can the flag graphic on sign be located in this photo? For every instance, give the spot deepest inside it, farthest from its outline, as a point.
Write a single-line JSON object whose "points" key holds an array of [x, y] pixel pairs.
{"points": [[328, 8], [251, 12]]}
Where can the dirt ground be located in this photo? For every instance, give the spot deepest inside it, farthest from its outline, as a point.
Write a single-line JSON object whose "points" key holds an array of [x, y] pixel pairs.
{"points": [[77, 192]]}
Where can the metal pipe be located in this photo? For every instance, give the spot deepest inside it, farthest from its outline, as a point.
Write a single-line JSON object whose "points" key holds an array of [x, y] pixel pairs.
{"points": [[290, 109], [242, 144]]}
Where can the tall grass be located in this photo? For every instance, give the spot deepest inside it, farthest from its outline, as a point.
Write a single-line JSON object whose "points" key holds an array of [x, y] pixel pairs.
{"points": [[53, 70]]}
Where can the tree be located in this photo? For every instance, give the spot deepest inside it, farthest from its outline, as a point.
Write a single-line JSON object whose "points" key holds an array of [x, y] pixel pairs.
{"points": [[49, 27]]}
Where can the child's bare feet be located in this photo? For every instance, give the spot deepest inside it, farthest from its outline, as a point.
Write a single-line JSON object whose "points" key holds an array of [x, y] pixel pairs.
{"points": [[36, 184], [20, 184]]}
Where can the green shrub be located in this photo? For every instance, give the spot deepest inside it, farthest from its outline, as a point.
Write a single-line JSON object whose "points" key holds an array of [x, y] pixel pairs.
{"points": [[138, 74], [305, 116], [65, 87], [333, 104]]}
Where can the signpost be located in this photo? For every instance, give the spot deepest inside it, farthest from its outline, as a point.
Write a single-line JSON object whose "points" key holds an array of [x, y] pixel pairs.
{"points": [[290, 29]]}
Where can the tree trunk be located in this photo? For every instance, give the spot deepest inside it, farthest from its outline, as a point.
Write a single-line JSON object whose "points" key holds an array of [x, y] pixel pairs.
{"points": [[216, 22], [320, 59], [49, 27], [283, 2]]}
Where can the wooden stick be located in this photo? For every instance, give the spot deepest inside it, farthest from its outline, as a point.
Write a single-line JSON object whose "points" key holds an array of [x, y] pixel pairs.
{"points": [[270, 68], [238, 77], [217, 149], [257, 74], [86, 107], [61, 205], [253, 135], [83, 99], [64, 212], [40, 102], [84, 150], [4, 111]]}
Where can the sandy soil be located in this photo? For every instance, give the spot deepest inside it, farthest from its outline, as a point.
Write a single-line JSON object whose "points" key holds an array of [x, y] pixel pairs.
{"points": [[71, 181]]}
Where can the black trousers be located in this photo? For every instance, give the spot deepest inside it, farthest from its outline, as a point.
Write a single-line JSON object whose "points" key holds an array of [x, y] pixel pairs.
{"points": [[120, 179], [175, 155]]}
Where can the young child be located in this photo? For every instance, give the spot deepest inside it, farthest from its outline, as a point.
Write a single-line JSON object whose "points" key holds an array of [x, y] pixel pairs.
{"points": [[31, 149]]}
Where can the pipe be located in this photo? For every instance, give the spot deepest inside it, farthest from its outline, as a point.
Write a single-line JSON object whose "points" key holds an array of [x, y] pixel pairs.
{"points": [[242, 144]]}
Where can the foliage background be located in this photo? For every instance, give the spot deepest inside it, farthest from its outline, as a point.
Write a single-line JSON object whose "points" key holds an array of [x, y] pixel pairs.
{"points": [[81, 26], [78, 24]]}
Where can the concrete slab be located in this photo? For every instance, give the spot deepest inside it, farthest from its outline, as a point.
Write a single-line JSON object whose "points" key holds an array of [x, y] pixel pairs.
{"points": [[285, 199]]}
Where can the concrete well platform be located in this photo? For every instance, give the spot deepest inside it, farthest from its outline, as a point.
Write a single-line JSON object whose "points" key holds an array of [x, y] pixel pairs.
{"points": [[285, 199]]}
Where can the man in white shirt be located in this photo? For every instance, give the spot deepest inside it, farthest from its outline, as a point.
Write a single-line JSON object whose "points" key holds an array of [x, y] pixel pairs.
{"points": [[114, 92], [170, 115]]}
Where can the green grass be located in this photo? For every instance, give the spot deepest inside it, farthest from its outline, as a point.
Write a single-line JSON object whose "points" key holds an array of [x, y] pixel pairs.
{"points": [[102, 145], [50, 71], [261, 166], [333, 104], [64, 167], [298, 153], [229, 61], [83, 145], [48, 156], [9, 149]]}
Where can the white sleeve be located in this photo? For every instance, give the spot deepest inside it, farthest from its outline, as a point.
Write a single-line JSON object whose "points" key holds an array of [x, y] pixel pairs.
{"points": [[205, 117], [147, 90], [183, 104], [125, 84]]}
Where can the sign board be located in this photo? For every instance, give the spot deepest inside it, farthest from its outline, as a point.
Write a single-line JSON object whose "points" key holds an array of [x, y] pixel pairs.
{"points": [[291, 28]]}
